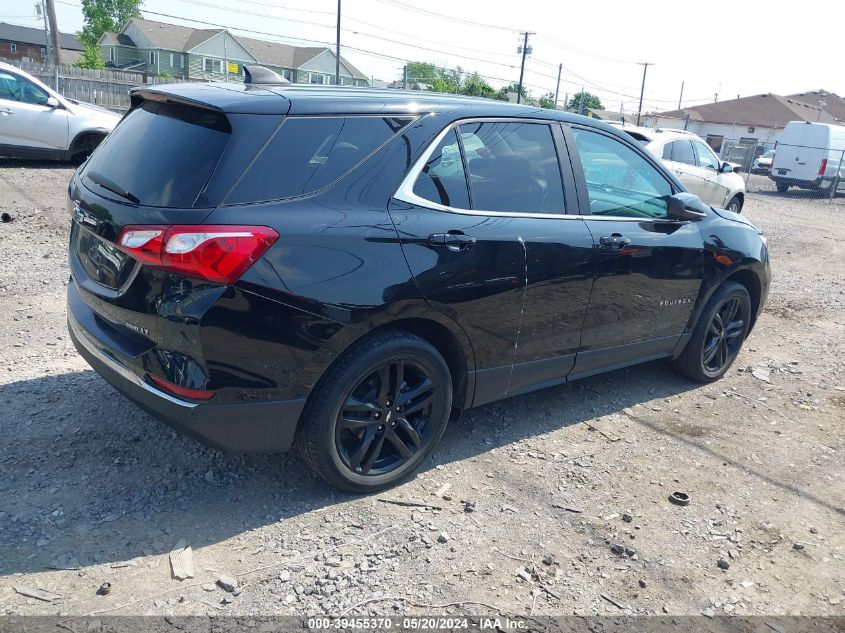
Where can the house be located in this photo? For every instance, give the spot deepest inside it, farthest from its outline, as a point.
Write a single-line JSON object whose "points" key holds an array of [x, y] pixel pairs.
{"points": [[758, 119], [213, 54], [27, 43]]}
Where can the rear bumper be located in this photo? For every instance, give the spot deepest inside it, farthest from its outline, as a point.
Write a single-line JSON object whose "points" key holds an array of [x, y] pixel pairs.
{"points": [[818, 183], [243, 427]]}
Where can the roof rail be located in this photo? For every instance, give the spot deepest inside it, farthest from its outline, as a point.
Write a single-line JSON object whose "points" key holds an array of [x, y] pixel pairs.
{"points": [[254, 74]]}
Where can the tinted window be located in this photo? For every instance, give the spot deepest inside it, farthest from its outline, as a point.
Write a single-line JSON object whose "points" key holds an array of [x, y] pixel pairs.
{"points": [[679, 152], [512, 167], [620, 181], [308, 153], [443, 179], [161, 153], [16, 88], [706, 157]]}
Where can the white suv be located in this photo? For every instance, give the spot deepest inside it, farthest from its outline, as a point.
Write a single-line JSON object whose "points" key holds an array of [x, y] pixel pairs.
{"points": [[37, 122], [695, 164]]}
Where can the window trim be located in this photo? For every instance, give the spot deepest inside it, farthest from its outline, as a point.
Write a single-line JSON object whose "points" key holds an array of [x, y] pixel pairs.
{"points": [[214, 61], [13, 47], [405, 192]]}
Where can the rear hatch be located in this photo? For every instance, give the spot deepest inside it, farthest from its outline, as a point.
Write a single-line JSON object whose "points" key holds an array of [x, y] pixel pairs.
{"points": [[166, 165], [800, 152]]}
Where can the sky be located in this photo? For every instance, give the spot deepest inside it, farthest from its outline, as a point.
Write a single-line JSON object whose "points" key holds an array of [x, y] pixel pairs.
{"points": [[724, 49]]}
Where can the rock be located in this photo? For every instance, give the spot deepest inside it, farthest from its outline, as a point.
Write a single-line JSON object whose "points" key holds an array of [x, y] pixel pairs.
{"points": [[469, 506], [617, 549], [443, 537], [227, 583], [723, 563], [761, 373], [284, 575], [630, 551], [522, 573], [814, 530], [548, 559], [627, 517], [798, 546], [642, 583]]}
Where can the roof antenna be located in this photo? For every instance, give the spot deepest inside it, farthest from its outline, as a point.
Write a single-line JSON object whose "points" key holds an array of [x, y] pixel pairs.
{"points": [[259, 75]]}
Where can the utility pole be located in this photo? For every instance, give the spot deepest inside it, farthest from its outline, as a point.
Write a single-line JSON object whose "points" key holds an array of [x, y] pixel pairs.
{"points": [[48, 44], [337, 49], [681, 98], [524, 50], [405, 76], [54, 32], [645, 66], [822, 104], [557, 88], [581, 102]]}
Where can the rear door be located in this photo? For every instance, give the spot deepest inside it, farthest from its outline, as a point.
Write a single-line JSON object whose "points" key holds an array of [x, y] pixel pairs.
{"points": [[680, 158], [800, 152], [649, 266], [480, 219]]}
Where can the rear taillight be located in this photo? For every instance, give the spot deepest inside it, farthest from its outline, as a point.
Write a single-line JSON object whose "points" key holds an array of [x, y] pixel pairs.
{"points": [[823, 167], [216, 252], [177, 390]]}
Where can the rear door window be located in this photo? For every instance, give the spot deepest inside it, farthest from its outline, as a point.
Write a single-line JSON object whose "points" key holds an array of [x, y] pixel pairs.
{"points": [[160, 155], [679, 152], [512, 167], [309, 153], [443, 179]]}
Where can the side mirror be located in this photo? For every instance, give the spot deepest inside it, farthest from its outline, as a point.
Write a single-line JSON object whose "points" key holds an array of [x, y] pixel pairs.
{"points": [[686, 206], [726, 168], [52, 102]]}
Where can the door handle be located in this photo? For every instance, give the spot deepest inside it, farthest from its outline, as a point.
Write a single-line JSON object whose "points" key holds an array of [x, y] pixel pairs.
{"points": [[615, 241], [453, 240]]}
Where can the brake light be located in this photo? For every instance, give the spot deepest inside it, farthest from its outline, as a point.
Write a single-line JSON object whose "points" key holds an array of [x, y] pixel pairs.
{"points": [[823, 167], [220, 253], [177, 390]]}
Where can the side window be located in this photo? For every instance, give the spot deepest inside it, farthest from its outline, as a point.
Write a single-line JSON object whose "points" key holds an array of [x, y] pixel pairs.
{"points": [[620, 181], [14, 88], [512, 167], [308, 153], [443, 179], [706, 157], [680, 152]]}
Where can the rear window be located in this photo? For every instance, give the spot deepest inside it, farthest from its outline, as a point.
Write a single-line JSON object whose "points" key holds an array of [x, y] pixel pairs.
{"points": [[161, 154], [309, 153]]}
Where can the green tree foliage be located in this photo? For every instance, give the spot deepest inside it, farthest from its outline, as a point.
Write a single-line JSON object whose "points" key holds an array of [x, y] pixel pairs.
{"points": [[590, 101], [547, 101], [476, 86], [100, 16], [90, 58]]}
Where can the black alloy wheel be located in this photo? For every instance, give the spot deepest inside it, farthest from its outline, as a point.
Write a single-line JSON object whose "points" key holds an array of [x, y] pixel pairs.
{"points": [[724, 336], [377, 413], [718, 335], [385, 419]]}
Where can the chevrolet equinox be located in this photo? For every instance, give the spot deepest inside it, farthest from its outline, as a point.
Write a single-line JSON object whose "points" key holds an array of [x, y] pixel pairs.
{"points": [[262, 266]]}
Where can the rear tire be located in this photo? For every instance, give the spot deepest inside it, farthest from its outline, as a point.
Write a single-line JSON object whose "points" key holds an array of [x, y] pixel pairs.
{"points": [[718, 336], [377, 413], [782, 187]]}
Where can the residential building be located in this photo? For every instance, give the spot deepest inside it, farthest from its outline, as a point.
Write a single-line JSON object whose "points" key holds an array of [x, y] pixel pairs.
{"points": [[27, 43], [214, 54], [758, 119]]}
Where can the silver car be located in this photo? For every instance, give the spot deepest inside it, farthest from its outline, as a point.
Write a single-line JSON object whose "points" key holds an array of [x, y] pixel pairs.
{"points": [[37, 122]]}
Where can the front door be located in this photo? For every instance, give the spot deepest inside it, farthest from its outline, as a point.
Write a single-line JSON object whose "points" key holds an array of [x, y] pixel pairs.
{"points": [[26, 121], [713, 191], [648, 266]]}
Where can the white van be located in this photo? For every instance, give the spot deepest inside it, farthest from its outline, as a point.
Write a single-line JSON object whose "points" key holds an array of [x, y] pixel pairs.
{"points": [[810, 156]]}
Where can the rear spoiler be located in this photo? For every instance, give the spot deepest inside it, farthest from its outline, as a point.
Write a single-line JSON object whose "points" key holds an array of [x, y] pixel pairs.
{"points": [[137, 95]]}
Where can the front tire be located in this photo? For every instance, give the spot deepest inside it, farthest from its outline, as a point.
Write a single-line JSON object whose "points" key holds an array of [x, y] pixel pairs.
{"points": [[735, 204], [718, 335], [782, 187], [377, 414]]}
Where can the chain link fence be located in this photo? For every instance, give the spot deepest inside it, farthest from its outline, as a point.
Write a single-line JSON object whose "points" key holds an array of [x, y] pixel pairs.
{"points": [[817, 171]]}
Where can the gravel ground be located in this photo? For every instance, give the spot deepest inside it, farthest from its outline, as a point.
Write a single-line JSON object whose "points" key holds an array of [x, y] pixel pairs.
{"points": [[559, 481]]}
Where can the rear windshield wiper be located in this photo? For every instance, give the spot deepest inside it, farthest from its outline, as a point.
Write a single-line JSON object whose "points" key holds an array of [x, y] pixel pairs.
{"points": [[98, 178]]}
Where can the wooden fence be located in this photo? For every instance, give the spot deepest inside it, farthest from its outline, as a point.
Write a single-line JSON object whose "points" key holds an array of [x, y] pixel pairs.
{"points": [[107, 88]]}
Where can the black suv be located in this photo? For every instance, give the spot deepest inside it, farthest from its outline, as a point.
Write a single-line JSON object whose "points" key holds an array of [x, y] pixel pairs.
{"points": [[338, 268]]}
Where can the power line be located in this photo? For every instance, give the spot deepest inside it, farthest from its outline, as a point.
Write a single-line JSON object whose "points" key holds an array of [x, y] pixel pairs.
{"points": [[451, 18]]}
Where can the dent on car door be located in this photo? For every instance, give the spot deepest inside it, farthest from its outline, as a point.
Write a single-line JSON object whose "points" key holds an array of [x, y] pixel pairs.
{"points": [[25, 118], [713, 191], [649, 266]]}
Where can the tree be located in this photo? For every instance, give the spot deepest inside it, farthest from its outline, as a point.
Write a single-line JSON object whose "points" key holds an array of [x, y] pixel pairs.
{"points": [[90, 58], [505, 92], [100, 16], [476, 86], [590, 101], [547, 101], [440, 79]]}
